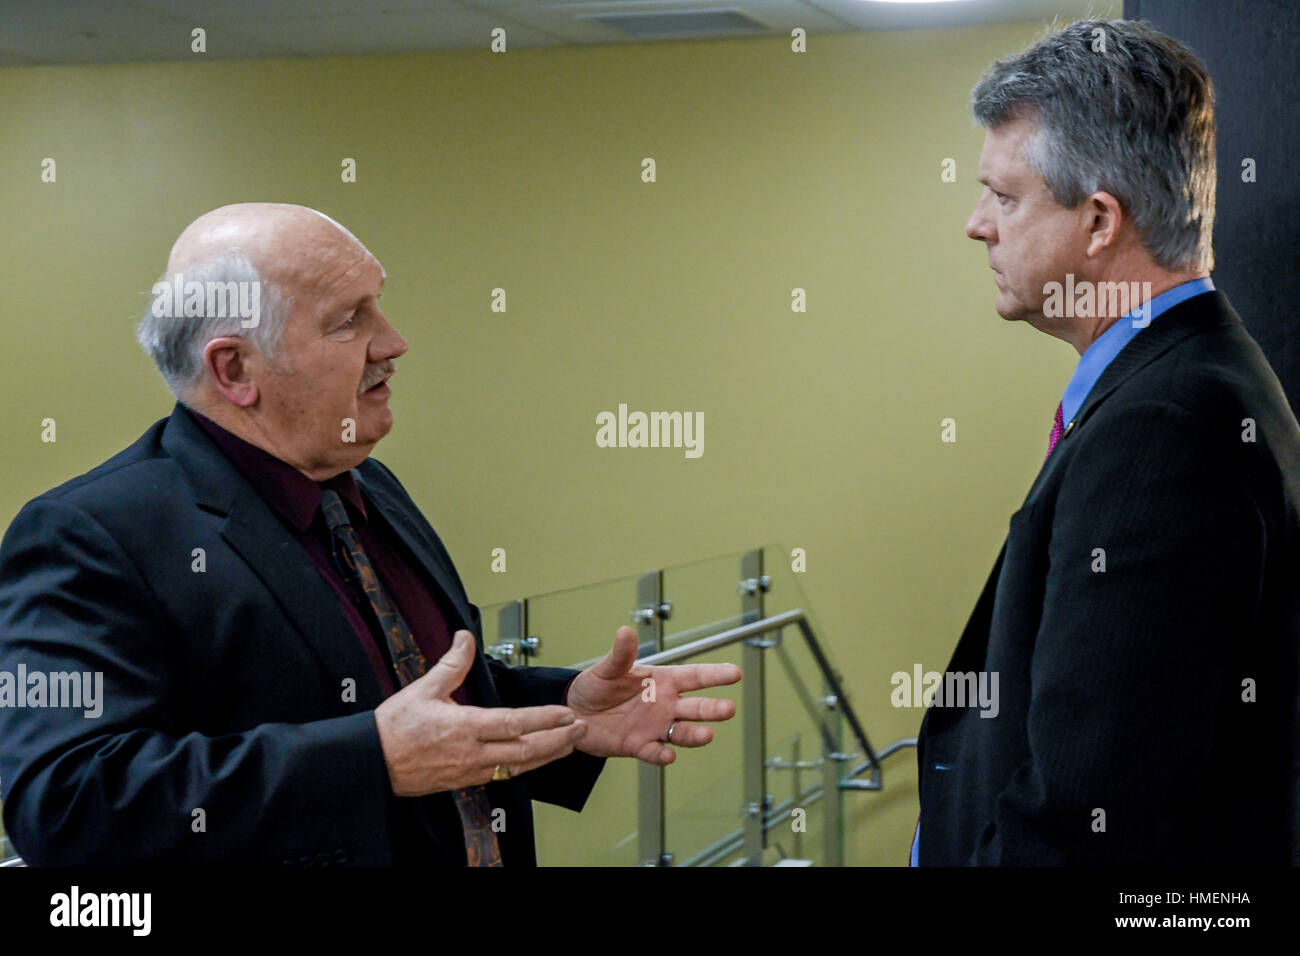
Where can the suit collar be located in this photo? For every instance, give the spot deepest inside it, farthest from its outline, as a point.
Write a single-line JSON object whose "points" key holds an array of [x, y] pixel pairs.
{"points": [[252, 529], [1180, 322], [1176, 325], [290, 493]]}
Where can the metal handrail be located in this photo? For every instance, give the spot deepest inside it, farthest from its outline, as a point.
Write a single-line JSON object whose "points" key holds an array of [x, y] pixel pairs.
{"points": [[680, 639], [795, 618], [730, 636], [848, 783]]}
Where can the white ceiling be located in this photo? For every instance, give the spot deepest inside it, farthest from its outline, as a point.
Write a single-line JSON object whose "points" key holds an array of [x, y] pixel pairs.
{"points": [[127, 31]]}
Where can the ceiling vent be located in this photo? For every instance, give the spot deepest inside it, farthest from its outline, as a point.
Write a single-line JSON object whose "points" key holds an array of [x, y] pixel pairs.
{"points": [[687, 23]]}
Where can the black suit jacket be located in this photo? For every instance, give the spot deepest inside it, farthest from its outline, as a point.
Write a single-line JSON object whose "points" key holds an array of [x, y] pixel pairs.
{"points": [[1122, 736], [224, 690]]}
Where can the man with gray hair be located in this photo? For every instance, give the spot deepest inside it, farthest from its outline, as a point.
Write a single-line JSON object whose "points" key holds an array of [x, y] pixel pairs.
{"points": [[1144, 613], [291, 666]]}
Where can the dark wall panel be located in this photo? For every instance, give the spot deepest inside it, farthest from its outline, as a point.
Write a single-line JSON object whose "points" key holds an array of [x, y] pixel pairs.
{"points": [[1251, 48]]}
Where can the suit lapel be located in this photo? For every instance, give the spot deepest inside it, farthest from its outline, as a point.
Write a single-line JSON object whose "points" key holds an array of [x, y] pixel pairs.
{"points": [[405, 526], [252, 529], [408, 525], [1190, 316], [1184, 320]]}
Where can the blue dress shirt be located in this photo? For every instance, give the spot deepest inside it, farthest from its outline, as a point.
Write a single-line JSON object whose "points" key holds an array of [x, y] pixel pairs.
{"points": [[1110, 343]]}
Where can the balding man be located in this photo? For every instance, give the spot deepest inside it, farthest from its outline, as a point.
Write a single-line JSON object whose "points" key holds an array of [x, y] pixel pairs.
{"points": [[285, 657]]}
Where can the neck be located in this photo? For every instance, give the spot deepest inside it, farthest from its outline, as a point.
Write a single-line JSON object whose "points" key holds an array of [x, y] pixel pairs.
{"points": [[248, 427], [1148, 283]]}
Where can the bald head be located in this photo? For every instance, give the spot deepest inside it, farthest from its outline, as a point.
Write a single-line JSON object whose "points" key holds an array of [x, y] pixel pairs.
{"points": [[281, 240]]}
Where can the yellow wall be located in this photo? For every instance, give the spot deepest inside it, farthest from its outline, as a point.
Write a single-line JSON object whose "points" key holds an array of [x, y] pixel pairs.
{"points": [[775, 170]]}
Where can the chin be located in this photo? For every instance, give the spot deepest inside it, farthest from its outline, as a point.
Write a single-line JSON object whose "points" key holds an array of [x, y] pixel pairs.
{"points": [[1007, 310], [381, 427]]}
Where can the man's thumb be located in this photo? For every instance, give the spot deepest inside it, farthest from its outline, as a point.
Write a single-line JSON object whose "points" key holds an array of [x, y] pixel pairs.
{"points": [[448, 674]]}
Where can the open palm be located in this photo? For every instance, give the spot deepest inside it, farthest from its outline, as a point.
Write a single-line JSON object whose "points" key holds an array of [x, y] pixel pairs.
{"points": [[628, 708]]}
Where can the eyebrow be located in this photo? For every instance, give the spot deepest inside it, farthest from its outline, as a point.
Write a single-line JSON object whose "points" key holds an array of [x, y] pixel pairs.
{"points": [[349, 308], [1002, 188]]}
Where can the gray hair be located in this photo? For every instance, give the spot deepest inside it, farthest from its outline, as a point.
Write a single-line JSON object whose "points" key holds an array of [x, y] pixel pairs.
{"points": [[175, 342], [1123, 109]]}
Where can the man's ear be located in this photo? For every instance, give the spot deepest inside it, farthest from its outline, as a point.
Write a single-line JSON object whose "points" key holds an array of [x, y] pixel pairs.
{"points": [[1103, 218], [225, 360]]}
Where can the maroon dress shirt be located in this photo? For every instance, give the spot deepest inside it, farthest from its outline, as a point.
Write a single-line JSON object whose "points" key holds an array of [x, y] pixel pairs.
{"points": [[296, 499]]}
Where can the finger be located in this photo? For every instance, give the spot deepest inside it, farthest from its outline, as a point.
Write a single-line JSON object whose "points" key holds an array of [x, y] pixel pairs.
{"points": [[705, 708], [659, 754], [532, 750], [507, 723], [690, 735], [687, 677], [620, 658], [449, 673]]}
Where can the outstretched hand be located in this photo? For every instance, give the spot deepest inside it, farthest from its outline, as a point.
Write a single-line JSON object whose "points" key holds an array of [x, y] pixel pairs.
{"points": [[628, 709]]}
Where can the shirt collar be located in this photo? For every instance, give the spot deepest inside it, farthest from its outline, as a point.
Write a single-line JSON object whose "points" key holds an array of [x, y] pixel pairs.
{"points": [[1111, 342], [290, 493]]}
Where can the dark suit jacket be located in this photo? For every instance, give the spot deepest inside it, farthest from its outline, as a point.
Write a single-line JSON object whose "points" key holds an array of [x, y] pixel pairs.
{"points": [[1122, 690], [223, 690]]}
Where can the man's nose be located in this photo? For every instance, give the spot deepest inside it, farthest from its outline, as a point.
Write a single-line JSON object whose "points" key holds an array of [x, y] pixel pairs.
{"points": [[388, 344], [979, 226]]}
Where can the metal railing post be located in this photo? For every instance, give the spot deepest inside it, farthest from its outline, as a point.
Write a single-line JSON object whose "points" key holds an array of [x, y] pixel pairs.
{"points": [[650, 779], [832, 769], [754, 717]]}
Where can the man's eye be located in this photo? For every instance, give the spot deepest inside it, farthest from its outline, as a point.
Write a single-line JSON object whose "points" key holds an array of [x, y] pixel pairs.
{"points": [[350, 322]]}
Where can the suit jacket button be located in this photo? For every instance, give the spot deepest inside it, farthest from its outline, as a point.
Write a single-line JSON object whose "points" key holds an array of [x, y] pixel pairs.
{"points": [[341, 856]]}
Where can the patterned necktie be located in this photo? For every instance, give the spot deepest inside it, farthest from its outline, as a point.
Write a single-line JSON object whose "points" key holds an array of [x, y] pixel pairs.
{"points": [[481, 847], [1057, 428]]}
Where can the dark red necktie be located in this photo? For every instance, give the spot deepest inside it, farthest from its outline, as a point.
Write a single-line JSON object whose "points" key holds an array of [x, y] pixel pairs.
{"points": [[481, 847], [1057, 428]]}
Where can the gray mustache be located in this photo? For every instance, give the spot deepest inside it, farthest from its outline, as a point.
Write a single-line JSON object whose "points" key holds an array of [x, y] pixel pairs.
{"points": [[380, 371]]}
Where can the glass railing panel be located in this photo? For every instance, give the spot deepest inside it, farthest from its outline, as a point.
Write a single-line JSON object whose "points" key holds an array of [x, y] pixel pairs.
{"points": [[574, 626], [797, 745], [704, 799], [703, 597], [704, 788]]}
